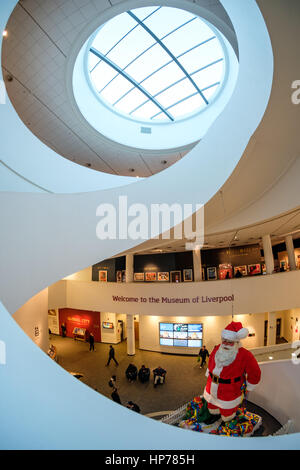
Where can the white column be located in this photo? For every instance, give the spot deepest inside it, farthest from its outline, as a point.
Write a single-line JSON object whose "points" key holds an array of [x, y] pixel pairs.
{"points": [[197, 265], [130, 335], [268, 253], [271, 338], [129, 268], [290, 251]]}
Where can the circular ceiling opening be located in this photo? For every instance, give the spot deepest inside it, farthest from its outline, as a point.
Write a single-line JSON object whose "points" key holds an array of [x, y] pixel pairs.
{"points": [[156, 64]]}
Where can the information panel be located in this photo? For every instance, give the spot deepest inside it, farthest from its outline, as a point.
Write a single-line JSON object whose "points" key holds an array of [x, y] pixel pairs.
{"points": [[181, 334]]}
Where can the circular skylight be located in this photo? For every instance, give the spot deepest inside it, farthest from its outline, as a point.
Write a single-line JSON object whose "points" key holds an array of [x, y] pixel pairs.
{"points": [[156, 64]]}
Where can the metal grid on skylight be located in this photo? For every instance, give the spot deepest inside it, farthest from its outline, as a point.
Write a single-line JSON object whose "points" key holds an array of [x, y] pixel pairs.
{"points": [[156, 63]]}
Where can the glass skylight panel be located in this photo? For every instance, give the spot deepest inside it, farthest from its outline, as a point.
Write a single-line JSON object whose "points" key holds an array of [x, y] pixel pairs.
{"points": [[189, 35], [144, 71], [201, 56], [187, 106], [210, 91], [165, 21], [146, 111], [101, 75], [131, 46], [163, 78], [208, 76], [116, 89], [176, 93], [131, 101], [112, 31], [144, 12], [152, 60]]}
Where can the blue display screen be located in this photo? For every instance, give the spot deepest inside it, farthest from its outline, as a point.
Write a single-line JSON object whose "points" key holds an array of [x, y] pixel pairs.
{"points": [[181, 334]]}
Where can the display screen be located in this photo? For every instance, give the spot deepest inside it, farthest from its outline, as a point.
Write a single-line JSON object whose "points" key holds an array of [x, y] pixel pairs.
{"points": [[181, 334], [107, 324]]}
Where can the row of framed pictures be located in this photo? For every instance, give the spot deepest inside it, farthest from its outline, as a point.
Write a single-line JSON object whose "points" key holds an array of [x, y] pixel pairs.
{"points": [[227, 271], [172, 276]]}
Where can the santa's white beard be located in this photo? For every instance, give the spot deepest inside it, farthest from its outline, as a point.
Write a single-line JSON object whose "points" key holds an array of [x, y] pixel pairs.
{"points": [[226, 355]]}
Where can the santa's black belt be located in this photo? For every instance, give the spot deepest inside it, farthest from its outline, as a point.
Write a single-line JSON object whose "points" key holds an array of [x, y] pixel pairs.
{"points": [[217, 379]]}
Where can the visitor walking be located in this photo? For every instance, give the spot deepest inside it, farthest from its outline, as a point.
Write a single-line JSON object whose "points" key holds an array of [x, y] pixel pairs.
{"points": [[111, 355]]}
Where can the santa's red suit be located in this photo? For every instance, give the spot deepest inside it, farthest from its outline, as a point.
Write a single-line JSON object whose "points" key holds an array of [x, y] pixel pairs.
{"points": [[223, 389]]}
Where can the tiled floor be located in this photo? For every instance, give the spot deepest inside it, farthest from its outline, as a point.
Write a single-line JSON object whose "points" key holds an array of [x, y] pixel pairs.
{"points": [[184, 380]]}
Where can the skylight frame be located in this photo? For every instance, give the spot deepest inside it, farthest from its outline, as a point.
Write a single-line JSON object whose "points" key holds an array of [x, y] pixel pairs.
{"points": [[151, 97]]}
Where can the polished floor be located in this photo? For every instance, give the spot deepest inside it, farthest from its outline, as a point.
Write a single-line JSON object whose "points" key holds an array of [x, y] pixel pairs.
{"points": [[184, 380]]}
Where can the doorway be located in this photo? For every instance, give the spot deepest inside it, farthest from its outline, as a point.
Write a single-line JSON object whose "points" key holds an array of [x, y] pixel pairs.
{"points": [[266, 333]]}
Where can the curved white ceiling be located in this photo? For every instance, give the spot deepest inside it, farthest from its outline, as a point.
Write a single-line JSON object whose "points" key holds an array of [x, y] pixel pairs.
{"points": [[40, 41]]}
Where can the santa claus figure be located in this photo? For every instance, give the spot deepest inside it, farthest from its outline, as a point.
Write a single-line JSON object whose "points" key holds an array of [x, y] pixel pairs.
{"points": [[229, 367]]}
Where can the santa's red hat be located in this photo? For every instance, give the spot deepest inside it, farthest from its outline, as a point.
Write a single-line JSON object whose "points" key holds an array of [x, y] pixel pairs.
{"points": [[234, 332]]}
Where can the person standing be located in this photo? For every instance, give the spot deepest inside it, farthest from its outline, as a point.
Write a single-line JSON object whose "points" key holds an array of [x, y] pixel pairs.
{"points": [[133, 406], [203, 353], [63, 330], [111, 355], [115, 396], [92, 342], [113, 381]]}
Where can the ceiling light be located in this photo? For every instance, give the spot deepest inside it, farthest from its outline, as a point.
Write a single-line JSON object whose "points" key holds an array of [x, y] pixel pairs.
{"points": [[4, 34], [271, 357]]}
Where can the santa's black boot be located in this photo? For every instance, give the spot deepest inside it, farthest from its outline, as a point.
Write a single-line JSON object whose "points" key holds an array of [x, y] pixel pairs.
{"points": [[212, 419]]}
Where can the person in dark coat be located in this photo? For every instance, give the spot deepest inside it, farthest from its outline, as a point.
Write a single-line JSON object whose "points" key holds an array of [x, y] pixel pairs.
{"points": [[115, 396], [111, 355], [133, 406], [63, 330], [144, 374], [131, 372], [203, 353], [92, 342]]}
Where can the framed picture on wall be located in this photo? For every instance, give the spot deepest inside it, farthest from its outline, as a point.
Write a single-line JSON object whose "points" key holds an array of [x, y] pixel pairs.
{"points": [[240, 271], [139, 277], [119, 276], [175, 276], [254, 269], [163, 277], [225, 271], [150, 277], [103, 276], [187, 275], [211, 273]]}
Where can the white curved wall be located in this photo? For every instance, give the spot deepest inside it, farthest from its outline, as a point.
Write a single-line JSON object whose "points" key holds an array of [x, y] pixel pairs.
{"points": [[278, 392], [250, 295], [54, 235]]}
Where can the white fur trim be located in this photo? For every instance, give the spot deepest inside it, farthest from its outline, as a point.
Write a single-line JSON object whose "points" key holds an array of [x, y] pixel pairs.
{"points": [[250, 386], [228, 418], [214, 411], [225, 405], [235, 336], [242, 333]]}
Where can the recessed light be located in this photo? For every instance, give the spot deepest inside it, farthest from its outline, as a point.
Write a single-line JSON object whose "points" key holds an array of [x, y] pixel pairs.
{"points": [[271, 357], [132, 170], [4, 34], [164, 162]]}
